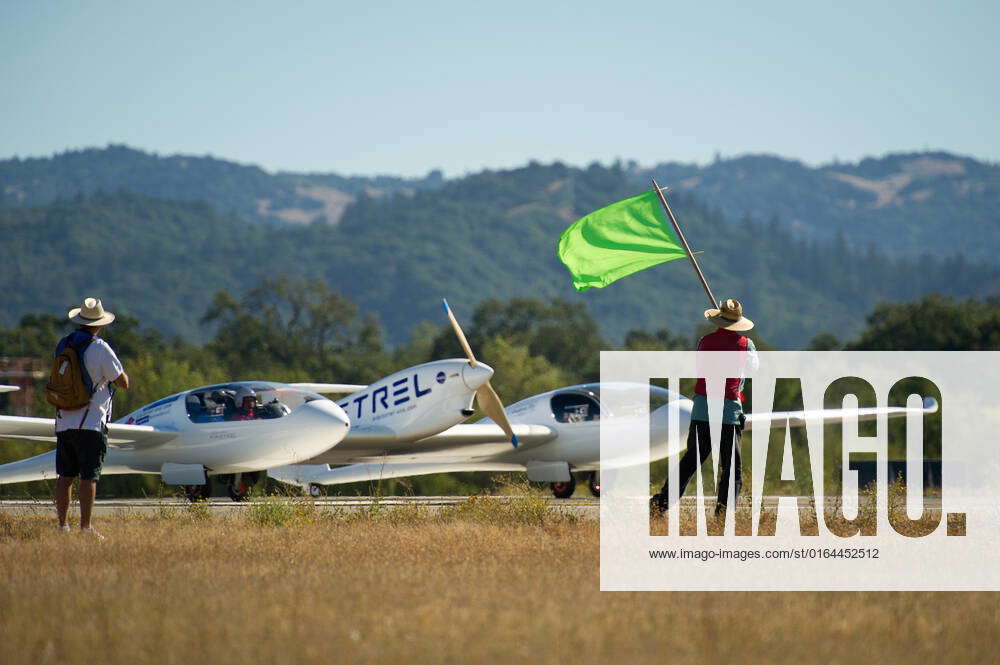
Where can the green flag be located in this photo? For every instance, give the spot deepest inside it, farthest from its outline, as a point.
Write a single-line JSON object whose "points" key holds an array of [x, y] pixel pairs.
{"points": [[618, 240]]}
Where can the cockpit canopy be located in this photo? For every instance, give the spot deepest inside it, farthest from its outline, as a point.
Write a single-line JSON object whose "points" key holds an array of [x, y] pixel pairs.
{"points": [[583, 402], [575, 406], [244, 400]]}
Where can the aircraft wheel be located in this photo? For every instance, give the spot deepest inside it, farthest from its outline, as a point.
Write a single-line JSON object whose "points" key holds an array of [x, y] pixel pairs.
{"points": [[564, 490], [196, 493], [315, 490], [594, 483]]}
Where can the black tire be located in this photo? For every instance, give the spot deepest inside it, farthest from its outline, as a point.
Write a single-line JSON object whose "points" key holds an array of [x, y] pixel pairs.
{"points": [[316, 491], [594, 483], [564, 490]]}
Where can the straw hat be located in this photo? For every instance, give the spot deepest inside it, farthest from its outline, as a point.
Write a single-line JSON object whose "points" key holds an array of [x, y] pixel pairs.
{"points": [[91, 314], [729, 316]]}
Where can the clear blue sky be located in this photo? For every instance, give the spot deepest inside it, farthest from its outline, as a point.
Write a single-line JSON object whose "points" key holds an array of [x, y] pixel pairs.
{"points": [[404, 87]]}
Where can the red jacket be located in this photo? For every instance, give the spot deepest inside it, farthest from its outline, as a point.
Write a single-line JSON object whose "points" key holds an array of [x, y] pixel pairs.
{"points": [[723, 340]]}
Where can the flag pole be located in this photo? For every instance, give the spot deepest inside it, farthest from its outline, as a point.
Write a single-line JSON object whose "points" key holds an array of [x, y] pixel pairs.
{"points": [[687, 248]]}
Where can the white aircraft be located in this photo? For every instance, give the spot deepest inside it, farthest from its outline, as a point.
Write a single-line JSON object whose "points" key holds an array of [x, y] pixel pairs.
{"points": [[409, 424], [198, 433], [406, 424], [559, 433]]}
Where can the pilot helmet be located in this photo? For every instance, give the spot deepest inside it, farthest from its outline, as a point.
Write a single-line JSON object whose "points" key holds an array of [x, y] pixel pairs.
{"points": [[243, 393]]}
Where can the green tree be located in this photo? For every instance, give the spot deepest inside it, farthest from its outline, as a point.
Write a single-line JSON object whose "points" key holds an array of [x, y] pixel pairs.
{"points": [[933, 323], [519, 373], [288, 330], [661, 340], [564, 333], [825, 342]]}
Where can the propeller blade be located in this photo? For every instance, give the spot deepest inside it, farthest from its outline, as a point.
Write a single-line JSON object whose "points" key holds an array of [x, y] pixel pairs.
{"points": [[486, 397], [490, 403], [461, 335]]}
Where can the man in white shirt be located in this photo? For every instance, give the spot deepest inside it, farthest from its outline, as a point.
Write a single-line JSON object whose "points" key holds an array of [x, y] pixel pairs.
{"points": [[81, 434]]}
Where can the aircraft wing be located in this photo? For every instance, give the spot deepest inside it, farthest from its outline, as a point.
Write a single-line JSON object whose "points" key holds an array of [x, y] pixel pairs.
{"points": [[329, 388], [471, 447], [454, 436], [478, 433], [374, 471], [801, 418], [119, 436]]}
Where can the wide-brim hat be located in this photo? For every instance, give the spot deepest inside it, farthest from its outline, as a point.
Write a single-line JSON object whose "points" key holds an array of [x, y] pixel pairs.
{"points": [[92, 313], [729, 316]]}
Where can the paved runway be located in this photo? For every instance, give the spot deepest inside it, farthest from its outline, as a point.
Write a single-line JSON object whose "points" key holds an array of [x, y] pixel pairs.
{"points": [[583, 507]]}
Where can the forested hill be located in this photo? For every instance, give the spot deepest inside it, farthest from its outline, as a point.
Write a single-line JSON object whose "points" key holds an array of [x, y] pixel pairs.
{"points": [[249, 191], [492, 234], [931, 202], [907, 204]]}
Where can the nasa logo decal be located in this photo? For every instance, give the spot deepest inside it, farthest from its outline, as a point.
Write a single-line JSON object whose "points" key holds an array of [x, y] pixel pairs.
{"points": [[440, 377]]}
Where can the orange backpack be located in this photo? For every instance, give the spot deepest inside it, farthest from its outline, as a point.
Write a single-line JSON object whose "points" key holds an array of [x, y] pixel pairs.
{"points": [[69, 386]]}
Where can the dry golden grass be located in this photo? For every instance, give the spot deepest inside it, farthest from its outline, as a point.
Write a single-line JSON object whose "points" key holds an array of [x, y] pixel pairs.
{"points": [[486, 582]]}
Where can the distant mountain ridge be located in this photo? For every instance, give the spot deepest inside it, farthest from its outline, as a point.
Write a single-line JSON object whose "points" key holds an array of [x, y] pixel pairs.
{"points": [[907, 203], [490, 235], [248, 191]]}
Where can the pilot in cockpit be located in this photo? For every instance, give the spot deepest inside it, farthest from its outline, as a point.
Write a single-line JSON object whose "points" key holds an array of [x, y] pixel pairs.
{"points": [[575, 413], [246, 405]]}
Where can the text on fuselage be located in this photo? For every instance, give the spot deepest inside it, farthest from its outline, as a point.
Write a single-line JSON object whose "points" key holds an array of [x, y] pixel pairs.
{"points": [[383, 398]]}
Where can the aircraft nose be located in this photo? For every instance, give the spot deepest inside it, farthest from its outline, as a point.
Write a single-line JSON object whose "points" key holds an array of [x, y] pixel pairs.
{"points": [[473, 377], [328, 417]]}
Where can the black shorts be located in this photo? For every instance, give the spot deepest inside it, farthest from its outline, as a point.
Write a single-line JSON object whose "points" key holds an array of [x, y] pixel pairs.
{"points": [[80, 452]]}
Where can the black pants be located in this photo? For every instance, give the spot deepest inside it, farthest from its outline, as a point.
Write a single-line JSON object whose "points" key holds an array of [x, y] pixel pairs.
{"points": [[699, 447], [80, 452]]}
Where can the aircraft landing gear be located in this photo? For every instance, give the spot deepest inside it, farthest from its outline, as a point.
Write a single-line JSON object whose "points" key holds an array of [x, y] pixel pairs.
{"points": [[240, 484], [564, 490], [196, 493], [315, 490], [594, 483]]}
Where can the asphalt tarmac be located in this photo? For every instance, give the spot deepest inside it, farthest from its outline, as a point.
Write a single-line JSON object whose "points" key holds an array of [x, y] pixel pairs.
{"points": [[583, 507]]}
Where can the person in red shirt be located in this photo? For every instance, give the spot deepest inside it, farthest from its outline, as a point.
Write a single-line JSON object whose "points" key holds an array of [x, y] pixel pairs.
{"points": [[729, 336]]}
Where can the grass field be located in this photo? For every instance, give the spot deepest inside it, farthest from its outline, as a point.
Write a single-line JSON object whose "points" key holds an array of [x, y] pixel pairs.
{"points": [[484, 582]]}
